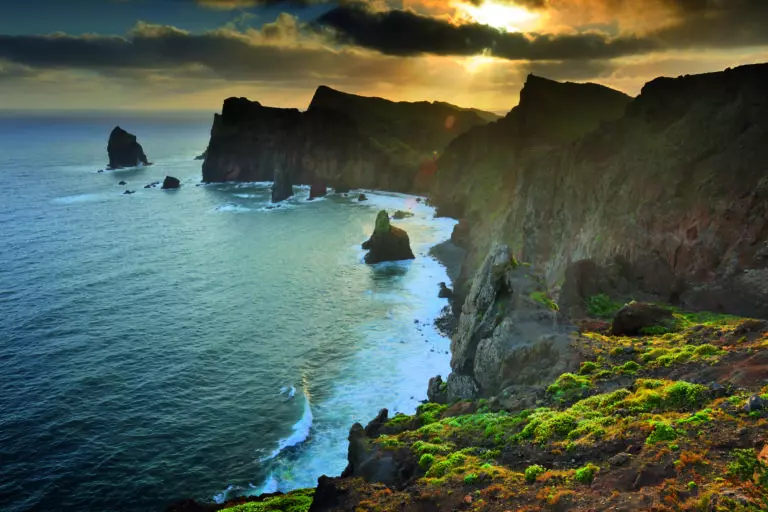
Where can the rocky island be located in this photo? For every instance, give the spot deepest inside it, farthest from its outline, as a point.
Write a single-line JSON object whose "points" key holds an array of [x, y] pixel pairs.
{"points": [[611, 346], [387, 243], [124, 150]]}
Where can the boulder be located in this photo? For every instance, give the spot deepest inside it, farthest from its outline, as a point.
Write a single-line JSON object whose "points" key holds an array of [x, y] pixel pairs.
{"points": [[400, 214], [317, 189], [755, 403], [373, 428], [362, 197], [387, 243], [638, 317], [282, 188], [445, 292], [128, 192], [170, 182], [122, 183], [437, 391], [124, 150], [152, 185]]}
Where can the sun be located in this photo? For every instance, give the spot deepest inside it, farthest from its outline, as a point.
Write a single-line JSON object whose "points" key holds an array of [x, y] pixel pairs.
{"points": [[504, 17]]}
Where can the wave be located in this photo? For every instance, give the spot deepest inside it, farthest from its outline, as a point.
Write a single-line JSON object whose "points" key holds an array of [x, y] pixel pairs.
{"points": [[301, 430], [79, 198], [233, 208], [290, 390]]}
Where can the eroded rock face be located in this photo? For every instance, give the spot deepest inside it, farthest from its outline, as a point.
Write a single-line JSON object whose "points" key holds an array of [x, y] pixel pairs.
{"points": [[653, 186], [282, 188], [317, 189], [338, 140], [508, 337], [124, 150], [387, 243]]}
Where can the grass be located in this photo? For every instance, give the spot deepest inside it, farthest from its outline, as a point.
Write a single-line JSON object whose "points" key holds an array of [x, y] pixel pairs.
{"points": [[545, 300], [296, 501], [601, 306]]}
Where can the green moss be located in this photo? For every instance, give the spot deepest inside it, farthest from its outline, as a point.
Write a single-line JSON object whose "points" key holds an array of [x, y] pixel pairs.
{"points": [[470, 478], [601, 306], [704, 416], [445, 466], [661, 432], [586, 474], [656, 330], [430, 412], [545, 300], [296, 501], [426, 461], [422, 447], [628, 368], [569, 386], [533, 472], [748, 468], [587, 368]]}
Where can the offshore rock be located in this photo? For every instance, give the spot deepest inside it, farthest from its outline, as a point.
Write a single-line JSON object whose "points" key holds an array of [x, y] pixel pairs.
{"points": [[170, 182], [387, 243], [282, 188], [318, 189], [124, 150], [437, 391]]}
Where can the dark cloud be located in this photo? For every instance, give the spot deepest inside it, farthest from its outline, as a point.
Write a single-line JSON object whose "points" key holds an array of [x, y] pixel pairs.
{"points": [[401, 32], [702, 23]]}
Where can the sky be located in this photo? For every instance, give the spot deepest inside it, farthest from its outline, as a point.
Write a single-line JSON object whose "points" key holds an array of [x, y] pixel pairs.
{"points": [[192, 54]]}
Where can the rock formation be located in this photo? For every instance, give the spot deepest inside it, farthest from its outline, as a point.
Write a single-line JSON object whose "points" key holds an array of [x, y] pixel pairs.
{"points": [[124, 150], [282, 188], [387, 243], [171, 182], [317, 189], [342, 139], [648, 197]]}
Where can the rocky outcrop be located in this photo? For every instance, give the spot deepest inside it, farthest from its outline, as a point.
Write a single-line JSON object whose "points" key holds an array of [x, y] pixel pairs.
{"points": [[317, 189], [124, 150], [170, 182], [387, 243], [342, 139], [282, 188], [510, 336], [641, 318], [668, 200]]}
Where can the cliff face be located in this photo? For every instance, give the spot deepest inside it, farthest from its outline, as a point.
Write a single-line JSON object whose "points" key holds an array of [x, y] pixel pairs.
{"points": [[670, 199], [340, 139]]}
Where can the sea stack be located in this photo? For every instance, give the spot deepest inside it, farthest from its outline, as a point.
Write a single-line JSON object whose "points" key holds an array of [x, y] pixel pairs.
{"points": [[282, 188], [317, 189], [387, 243], [170, 182], [124, 150]]}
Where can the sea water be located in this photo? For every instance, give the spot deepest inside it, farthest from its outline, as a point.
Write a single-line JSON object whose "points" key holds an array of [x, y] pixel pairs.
{"points": [[195, 342]]}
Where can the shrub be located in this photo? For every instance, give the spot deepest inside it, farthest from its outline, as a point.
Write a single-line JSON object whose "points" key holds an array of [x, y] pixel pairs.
{"points": [[587, 368], [586, 474], [533, 472], [601, 306], [470, 478], [426, 461], [661, 432]]}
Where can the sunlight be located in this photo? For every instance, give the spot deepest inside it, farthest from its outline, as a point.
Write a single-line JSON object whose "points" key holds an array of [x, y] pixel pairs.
{"points": [[477, 62], [505, 17]]}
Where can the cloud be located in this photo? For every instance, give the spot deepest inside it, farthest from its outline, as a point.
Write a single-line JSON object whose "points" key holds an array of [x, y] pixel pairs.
{"points": [[401, 32], [698, 23]]}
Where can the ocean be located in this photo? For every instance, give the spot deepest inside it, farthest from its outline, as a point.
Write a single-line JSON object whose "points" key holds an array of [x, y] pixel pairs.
{"points": [[191, 343]]}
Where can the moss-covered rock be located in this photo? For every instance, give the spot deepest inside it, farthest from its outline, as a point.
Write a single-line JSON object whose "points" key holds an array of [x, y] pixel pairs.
{"points": [[387, 243]]}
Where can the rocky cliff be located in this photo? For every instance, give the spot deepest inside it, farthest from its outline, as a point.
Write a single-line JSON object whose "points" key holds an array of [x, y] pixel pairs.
{"points": [[342, 140], [669, 199]]}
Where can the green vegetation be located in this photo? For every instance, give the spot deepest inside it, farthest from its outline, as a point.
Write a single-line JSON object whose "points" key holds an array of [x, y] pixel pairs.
{"points": [[569, 386], [545, 300], [533, 472], [587, 473], [747, 468], [426, 461], [601, 306], [661, 432], [470, 478], [296, 501], [588, 368]]}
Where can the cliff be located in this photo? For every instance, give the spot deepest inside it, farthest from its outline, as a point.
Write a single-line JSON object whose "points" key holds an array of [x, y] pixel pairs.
{"points": [[341, 139]]}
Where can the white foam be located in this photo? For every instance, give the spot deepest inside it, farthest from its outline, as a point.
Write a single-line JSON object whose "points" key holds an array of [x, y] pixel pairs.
{"points": [[270, 485], [79, 198], [222, 496], [233, 208], [246, 196], [300, 433]]}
